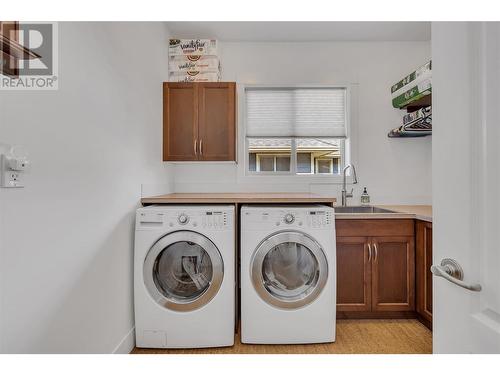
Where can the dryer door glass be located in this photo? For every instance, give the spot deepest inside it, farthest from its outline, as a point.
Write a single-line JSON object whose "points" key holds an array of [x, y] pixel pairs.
{"points": [[183, 271], [289, 270]]}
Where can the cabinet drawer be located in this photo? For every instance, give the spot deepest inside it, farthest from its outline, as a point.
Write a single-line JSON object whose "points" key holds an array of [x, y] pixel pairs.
{"points": [[374, 227]]}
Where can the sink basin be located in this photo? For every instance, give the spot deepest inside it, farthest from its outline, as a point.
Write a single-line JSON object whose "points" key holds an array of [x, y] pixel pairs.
{"points": [[362, 210]]}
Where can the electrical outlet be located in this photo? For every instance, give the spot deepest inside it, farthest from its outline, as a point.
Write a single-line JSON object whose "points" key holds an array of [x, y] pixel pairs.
{"points": [[12, 179]]}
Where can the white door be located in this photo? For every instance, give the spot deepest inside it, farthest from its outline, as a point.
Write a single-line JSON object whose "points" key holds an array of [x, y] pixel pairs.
{"points": [[466, 185]]}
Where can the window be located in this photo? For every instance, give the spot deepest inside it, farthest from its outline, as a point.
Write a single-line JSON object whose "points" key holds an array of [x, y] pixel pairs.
{"points": [[270, 155], [272, 163], [295, 131], [304, 162]]}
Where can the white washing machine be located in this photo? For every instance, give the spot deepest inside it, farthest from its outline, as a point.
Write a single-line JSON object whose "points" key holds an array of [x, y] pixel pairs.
{"points": [[288, 274], [184, 276]]}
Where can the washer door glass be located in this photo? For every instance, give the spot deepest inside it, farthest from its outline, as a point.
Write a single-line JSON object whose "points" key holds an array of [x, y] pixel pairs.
{"points": [[183, 271], [290, 270]]}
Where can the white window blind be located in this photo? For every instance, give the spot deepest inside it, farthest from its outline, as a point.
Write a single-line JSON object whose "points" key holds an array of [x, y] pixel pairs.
{"points": [[296, 112]]}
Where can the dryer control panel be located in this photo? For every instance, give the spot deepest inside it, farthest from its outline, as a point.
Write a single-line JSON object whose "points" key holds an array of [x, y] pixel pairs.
{"points": [[284, 218]]}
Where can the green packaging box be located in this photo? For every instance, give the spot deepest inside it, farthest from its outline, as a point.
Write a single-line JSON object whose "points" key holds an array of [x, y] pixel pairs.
{"points": [[422, 89], [424, 69]]}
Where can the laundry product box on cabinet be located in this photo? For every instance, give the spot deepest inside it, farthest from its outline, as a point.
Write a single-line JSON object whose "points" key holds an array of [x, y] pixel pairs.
{"points": [[181, 63], [189, 47], [194, 76]]}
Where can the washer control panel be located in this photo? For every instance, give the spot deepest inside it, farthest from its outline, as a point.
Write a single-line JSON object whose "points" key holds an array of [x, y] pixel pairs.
{"points": [[187, 219], [214, 220]]}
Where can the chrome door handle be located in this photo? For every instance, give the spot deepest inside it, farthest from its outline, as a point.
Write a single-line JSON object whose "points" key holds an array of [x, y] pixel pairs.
{"points": [[195, 151], [369, 252], [451, 271]]}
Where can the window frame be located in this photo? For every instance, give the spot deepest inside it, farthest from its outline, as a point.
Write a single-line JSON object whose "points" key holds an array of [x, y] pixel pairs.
{"points": [[311, 164], [348, 147], [275, 163], [316, 165]]}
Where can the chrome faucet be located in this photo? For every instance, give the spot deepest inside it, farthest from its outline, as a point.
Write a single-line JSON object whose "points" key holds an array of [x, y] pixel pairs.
{"points": [[345, 194]]}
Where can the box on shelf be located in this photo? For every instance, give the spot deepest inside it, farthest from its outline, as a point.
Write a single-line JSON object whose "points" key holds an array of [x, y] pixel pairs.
{"points": [[416, 92], [415, 82], [182, 63], [194, 76], [424, 70], [189, 47]]}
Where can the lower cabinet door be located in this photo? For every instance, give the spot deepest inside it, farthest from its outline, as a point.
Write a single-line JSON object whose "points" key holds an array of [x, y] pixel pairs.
{"points": [[423, 265], [393, 269], [353, 274]]}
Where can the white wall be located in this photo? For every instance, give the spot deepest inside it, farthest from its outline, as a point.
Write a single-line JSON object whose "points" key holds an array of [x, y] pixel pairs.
{"points": [[67, 238], [395, 171]]}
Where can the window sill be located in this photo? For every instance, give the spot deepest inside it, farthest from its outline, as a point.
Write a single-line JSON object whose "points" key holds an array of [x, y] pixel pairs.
{"points": [[287, 178]]}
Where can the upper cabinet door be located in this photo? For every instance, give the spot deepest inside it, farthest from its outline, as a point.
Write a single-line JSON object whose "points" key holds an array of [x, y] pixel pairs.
{"points": [[216, 121], [180, 122], [9, 63], [393, 270]]}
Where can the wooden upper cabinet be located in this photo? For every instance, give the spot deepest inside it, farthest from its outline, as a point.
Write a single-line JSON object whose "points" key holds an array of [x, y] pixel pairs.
{"points": [[199, 121], [353, 274], [180, 121], [216, 121], [9, 30], [423, 267], [393, 274]]}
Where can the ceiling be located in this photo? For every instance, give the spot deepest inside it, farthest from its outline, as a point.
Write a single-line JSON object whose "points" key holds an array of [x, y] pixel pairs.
{"points": [[302, 31]]}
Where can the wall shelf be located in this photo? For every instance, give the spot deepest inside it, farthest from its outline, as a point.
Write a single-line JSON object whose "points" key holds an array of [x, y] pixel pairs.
{"points": [[408, 135], [423, 102]]}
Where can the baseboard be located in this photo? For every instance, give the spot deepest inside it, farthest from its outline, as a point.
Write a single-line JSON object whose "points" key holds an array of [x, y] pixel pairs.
{"points": [[127, 344], [376, 315], [424, 321]]}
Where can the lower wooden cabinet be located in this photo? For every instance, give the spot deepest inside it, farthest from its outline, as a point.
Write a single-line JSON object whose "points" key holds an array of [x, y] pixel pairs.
{"points": [[393, 270], [375, 265], [353, 274], [423, 271]]}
